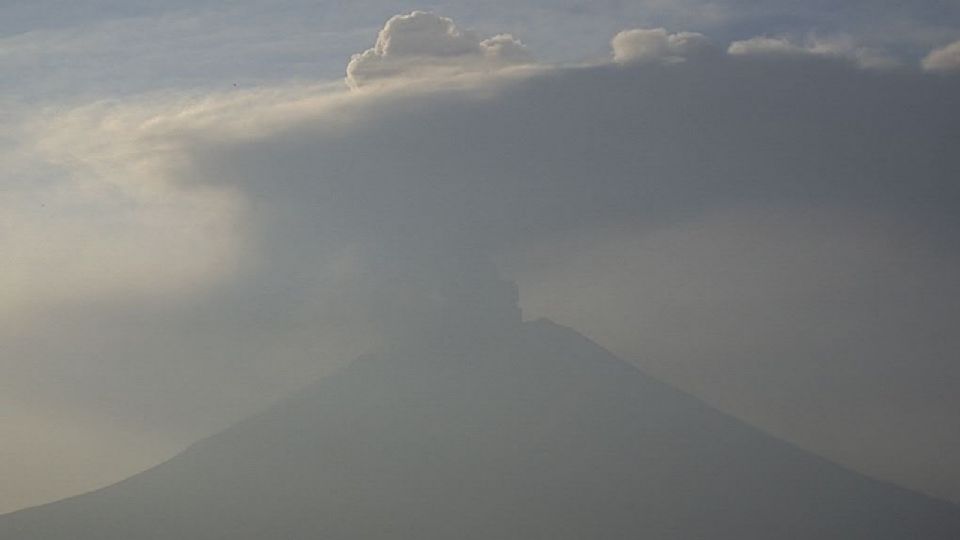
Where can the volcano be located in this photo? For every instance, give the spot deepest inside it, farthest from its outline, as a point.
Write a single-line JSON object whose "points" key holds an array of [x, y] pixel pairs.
{"points": [[528, 432]]}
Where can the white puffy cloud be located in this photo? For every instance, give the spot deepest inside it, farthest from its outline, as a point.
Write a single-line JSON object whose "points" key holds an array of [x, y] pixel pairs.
{"points": [[943, 59], [423, 42], [504, 48], [658, 45]]}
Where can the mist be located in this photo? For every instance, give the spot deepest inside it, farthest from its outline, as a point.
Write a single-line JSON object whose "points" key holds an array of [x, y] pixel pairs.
{"points": [[769, 225]]}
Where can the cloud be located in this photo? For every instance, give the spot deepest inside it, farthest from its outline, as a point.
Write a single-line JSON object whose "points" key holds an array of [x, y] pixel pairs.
{"points": [[83, 217], [837, 315], [763, 45], [42, 446], [424, 178], [91, 50], [811, 199], [658, 45], [420, 42], [943, 59], [838, 47]]}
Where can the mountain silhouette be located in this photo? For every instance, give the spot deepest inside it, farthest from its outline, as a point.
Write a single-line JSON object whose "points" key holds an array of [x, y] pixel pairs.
{"points": [[526, 432]]}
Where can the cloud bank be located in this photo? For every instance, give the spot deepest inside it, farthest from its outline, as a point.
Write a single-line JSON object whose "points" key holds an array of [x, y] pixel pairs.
{"points": [[642, 200]]}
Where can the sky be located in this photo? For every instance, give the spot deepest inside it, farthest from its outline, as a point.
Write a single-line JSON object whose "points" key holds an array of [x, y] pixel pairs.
{"points": [[204, 205]]}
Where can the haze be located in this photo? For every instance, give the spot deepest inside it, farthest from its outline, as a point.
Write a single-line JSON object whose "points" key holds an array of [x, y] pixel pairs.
{"points": [[204, 206]]}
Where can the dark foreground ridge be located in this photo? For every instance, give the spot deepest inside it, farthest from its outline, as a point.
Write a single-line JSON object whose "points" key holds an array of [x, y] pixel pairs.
{"points": [[534, 434]]}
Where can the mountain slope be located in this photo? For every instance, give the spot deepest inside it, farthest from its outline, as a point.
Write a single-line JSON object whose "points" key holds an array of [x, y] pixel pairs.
{"points": [[533, 433]]}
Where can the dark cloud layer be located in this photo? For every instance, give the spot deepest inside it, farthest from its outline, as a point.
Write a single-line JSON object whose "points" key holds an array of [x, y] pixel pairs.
{"points": [[844, 173], [774, 231]]}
